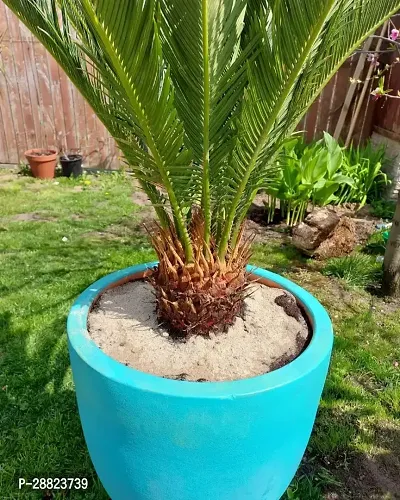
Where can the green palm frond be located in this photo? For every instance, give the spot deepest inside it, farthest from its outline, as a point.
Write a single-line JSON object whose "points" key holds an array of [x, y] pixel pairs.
{"points": [[200, 95], [303, 45], [202, 46], [112, 52]]}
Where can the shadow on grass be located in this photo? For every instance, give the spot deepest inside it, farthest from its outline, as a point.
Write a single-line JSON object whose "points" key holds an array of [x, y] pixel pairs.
{"points": [[344, 473], [278, 256], [41, 432]]}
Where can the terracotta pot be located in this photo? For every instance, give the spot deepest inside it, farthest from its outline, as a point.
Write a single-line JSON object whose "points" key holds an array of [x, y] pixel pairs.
{"points": [[42, 162]]}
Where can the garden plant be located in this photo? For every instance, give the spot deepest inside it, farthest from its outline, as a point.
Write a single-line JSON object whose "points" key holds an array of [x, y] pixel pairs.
{"points": [[200, 98], [41, 276], [323, 173], [379, 72], [363, 164], [307, 173]]}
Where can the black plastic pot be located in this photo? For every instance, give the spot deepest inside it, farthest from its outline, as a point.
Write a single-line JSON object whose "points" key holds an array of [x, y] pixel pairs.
{"points": [[72, 166]]}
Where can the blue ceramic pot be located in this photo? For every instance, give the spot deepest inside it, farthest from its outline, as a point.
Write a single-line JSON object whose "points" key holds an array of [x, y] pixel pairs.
{"points": [[152, 438]]}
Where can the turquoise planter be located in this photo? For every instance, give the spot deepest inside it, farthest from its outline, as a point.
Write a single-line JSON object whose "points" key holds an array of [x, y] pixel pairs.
{"points": [[158, 439]]}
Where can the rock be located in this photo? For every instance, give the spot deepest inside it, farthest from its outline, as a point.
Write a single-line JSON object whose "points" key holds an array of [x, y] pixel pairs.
{"points": [[325, 234], [289, 304], [340, 242], [325, 219], [260, 200], [317, 226]]}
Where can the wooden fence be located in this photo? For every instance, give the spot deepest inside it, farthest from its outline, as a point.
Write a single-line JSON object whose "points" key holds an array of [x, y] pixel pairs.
{"points": [[39, 106], [324, 113], [387, 116]]}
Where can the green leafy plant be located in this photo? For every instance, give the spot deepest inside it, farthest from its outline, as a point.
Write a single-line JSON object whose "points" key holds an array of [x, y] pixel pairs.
{"points": [[325, 188], [322, 173], [307, 173], [24, 169], [363, 164], [200, 97], [358, 270], [289, 185], [383, 209], [376, 244]]}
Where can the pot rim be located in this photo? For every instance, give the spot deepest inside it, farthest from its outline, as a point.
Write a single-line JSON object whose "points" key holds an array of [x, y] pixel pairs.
{"points": [[52, 156], [79, 340], [76, 156]]}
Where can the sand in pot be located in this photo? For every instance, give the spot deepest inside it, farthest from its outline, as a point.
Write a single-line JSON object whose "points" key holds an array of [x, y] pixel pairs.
{"points": [[124, 325]]}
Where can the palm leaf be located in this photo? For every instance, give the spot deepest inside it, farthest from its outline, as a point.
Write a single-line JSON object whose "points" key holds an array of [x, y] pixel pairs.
{"points": [[303, 45], [200, 95], [201, 44], [114, 57]]}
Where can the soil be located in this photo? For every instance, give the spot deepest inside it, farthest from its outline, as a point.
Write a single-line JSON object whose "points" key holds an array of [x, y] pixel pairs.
{"points": [[147, 214], [124, 325], [7, 178], [139, 197], [368, 477], [76, 217], [262, 231], [29, 217], [257, 227], [42, 153], [104, 235], [258, 213]]}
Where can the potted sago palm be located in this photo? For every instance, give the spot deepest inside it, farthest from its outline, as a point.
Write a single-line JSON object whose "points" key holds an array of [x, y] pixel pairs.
{"points": [[193, 395]]}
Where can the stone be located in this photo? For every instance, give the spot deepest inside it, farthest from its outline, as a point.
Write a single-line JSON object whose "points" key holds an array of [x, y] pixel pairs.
{"points": [[317, 226], [340, 242], [325, 234], [325, 219]]}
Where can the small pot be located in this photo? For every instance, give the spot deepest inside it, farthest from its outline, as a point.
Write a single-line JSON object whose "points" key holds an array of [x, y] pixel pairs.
{"points": [[154, 438], [71, 166], [42, 162]]}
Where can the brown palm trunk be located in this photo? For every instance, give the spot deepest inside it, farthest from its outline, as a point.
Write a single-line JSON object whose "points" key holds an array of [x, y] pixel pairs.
{"points": [[391, 275], [202, 296]]}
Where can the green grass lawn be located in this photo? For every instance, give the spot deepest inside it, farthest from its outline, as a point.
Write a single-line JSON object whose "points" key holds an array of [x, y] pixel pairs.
{"points": [[57, 237]]}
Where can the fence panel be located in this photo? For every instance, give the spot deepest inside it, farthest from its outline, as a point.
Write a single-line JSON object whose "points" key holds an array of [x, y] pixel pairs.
{"points": [[40, 107]]}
